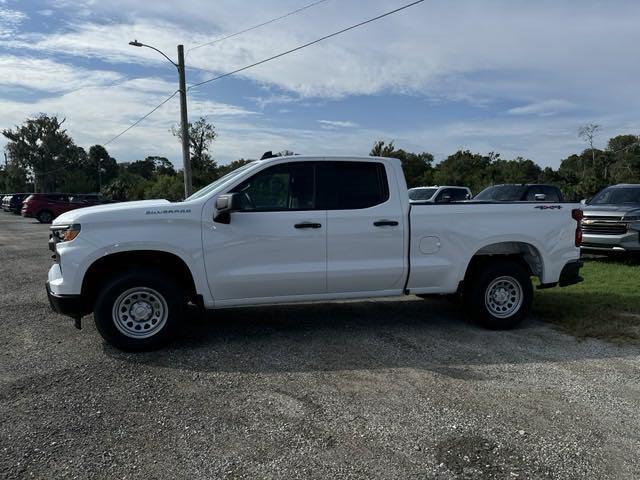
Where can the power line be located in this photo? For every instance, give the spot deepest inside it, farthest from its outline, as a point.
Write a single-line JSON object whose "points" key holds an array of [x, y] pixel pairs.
{"points": [[300, 47], [142, 118], [293, 12]]}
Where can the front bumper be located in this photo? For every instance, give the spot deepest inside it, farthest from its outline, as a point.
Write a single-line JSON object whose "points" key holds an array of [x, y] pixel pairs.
{"points": [[629, 241], [71, 305]]}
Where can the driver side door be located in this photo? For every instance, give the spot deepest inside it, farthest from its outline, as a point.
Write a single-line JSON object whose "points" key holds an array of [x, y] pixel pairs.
{"points": [[275, 247]]}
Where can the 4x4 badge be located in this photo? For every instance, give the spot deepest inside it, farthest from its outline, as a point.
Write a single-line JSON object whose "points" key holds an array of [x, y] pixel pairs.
{"points": [[548, 207]]}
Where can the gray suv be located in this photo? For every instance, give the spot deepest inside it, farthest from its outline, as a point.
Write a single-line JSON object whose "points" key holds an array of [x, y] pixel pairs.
{"points": [[611, 219]]}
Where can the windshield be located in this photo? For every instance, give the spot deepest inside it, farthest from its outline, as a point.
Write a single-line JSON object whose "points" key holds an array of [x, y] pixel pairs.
{"points": [[212, 186], [617, 196], [502, 193], [421, 193]]}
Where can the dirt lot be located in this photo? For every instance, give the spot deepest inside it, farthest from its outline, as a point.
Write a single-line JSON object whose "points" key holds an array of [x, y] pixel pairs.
{"points": [[380, 389]]}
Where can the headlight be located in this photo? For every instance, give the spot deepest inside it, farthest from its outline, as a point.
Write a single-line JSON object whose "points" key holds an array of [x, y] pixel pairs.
{"points": [[631, 218], [65, 233]]}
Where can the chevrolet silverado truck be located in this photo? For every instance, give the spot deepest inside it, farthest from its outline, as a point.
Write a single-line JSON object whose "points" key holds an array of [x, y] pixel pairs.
{"points": [[611, 222], [302, 229]]}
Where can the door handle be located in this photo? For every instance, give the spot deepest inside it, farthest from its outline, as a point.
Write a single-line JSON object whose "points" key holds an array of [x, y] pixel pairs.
{"points": [[308, 225], [385, 223]]}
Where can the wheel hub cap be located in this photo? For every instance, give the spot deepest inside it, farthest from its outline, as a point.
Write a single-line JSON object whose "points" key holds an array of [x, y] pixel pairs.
{"points": [[504, 297], [501, 296], [140, 312]]}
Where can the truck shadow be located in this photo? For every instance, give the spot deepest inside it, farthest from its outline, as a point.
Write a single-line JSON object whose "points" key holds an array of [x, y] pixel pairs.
{"points": [[364, 335]]}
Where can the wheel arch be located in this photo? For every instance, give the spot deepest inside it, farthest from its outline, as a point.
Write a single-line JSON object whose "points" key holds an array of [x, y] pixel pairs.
{"points": [[521, 252], [109, 265]]}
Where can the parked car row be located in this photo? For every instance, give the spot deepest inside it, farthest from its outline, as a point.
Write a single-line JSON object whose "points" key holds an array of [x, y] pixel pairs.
{"points": [[494, 193], [46, 206]]}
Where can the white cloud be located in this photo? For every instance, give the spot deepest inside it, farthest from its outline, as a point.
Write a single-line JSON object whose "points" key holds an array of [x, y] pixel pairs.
{"points": [[337, 124], [543, 108], [9, 21], [50, 76]]}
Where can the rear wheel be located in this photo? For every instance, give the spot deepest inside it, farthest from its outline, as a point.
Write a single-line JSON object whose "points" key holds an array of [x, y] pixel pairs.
{"points": [[499, 294], [45, 216], [139, 311]]}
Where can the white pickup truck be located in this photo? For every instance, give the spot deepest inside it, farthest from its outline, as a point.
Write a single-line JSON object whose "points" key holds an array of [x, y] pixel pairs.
{"points": [[300, 229]]}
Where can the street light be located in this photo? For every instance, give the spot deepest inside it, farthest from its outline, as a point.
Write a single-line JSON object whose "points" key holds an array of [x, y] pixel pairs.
{"points": [[184, 125]]}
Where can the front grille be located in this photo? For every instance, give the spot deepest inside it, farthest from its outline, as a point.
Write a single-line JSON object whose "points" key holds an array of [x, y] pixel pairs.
{"points": [[604, 228], [597, 218]]}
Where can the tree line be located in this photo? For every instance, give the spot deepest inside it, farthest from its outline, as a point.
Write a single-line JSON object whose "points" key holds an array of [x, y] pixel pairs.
{"points": [[40, 156]]}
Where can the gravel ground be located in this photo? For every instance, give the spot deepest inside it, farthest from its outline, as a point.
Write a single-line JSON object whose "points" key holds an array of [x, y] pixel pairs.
{"points": [[379, 389]]}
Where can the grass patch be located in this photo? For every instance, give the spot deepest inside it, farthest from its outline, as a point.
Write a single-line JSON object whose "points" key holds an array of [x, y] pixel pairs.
{"points": [[605, 306]]}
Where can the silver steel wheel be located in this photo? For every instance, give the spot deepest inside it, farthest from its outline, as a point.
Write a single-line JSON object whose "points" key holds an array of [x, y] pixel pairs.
{"points": [[503, 297], [140, 312]]}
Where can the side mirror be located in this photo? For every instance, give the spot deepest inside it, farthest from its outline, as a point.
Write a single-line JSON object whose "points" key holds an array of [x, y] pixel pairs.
{"points": [[225, 205], [540, 197], [583, 201]]}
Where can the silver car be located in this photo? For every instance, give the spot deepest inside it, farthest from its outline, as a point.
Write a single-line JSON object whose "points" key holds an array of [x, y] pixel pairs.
{"points": [[611, 221]]}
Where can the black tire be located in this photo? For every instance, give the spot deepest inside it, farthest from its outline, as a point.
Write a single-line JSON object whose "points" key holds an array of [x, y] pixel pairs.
{"points": [[121, 331], [510, 283], [45, 216]]}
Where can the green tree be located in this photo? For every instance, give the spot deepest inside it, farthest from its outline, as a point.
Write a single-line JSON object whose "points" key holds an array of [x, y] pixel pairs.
{"points": [[519, 170], [464, 168], [101, 165], [43, 148], [201, 136], [625, 158], [230, 167], [13, 178], [417, 167], [170, 187], [126, 186]]}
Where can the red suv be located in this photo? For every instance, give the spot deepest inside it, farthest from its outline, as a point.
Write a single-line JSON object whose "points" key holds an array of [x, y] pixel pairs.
{"points": [[47, 206]]}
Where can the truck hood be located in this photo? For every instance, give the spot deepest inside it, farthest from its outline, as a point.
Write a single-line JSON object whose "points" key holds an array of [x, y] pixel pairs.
{"points": [[75, 216], [603, 210]]}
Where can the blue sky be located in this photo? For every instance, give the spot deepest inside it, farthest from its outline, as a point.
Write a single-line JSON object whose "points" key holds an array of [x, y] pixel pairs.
{"points": [[515, 77]]}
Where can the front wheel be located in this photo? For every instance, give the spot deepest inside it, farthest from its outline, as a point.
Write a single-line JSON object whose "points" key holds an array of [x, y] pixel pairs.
{"points": [[139, 311], [45, 216], [499, 295]]}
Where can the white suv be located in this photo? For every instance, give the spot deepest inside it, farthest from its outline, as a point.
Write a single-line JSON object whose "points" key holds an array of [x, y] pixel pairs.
{"points": [[436, 194]]}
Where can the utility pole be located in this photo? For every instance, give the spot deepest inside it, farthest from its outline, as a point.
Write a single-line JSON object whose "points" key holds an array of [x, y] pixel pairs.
{"points": [[184, 124], [184, 121]]}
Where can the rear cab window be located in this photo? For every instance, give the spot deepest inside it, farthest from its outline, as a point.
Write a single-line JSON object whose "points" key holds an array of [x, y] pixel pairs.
{"points": [[351, 185]]}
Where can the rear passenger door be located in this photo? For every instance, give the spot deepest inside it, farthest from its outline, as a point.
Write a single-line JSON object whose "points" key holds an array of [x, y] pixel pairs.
{"points": [[365, 227]]}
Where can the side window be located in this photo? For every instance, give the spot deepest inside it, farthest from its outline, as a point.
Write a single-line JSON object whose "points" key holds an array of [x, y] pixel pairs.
{"points": [[458, 194], [351, 185], [453, 194], [551, 194], [532, 192], [288, 186]]}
